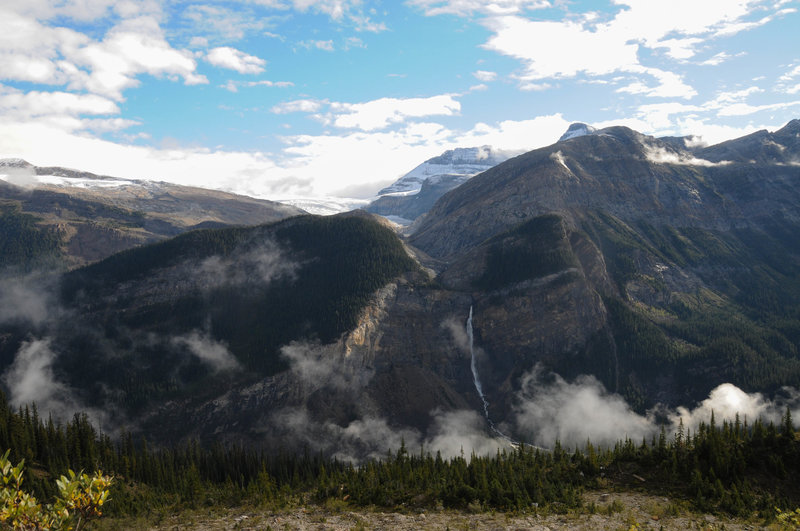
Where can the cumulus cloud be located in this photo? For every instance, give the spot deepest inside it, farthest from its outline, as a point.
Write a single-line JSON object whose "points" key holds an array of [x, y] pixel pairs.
{"points": [[233, 59], [127, 50], [380, 113], [213, 353], [589, 44], [18, 104]]}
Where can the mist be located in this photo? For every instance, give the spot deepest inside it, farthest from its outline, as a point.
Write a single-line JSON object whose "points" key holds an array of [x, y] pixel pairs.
{"points": [[213, 353], [550, 409], [260, 265], [23, 177], [30, 379], [27, 298]]}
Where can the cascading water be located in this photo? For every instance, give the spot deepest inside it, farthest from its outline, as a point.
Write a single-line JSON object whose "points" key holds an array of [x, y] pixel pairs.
{"points": [[475, 378], [478, 387]]}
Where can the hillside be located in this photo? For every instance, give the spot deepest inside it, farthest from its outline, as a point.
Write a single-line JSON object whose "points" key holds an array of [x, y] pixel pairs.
{"points": [[610, 265], [191, 317], [661, 272], [92, 216]]}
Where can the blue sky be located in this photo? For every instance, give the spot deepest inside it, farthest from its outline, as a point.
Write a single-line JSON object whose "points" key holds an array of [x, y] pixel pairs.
{"points": [[305, 98]]}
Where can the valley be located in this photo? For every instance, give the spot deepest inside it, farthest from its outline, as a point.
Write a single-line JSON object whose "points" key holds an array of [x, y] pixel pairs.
{"points": [[612, 286]]}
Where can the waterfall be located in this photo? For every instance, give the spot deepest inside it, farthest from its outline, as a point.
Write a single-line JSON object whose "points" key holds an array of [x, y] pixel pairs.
{"points": [[475, 378], [478, 387]]}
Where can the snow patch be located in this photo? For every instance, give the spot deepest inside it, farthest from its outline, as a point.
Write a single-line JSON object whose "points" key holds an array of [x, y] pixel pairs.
{"points": [[577, 129], [466, 162]]}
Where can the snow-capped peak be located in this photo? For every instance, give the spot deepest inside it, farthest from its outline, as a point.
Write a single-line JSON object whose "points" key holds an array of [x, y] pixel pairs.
{"points": [[460, 161], [577, 129]]}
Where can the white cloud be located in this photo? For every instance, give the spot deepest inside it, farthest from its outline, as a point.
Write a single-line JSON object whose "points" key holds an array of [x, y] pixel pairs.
{"points": [[717, 59], [467, 7], [319, 45], [733, 103], [380, 113], [339, 10], [48, 54], [20, 104], [560, 49], [743, 109], [660, 155], [233, 86], [233, 59], [586, 44], [134, 47], [484, 75], [218, 23], [790, 81], [298, 106], [353, 42], [516, 134], [670, 85]]}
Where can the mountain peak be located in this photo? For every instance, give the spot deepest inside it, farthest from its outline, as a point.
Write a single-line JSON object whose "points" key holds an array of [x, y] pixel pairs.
{"points": [[577, 129], [15, 163], [465, 162]]}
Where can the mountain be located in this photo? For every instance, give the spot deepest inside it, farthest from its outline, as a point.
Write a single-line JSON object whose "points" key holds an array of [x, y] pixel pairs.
{"points": [[577, 129], [626, 257], [91, 216], [414, 193], [607, 265]]}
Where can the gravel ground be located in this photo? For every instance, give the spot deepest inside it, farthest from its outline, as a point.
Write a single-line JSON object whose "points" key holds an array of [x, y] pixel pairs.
{"points": [[614, 511]]}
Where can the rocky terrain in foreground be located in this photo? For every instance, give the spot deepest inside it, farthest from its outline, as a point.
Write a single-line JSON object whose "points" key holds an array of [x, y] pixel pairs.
{"points": [[613, 510]]}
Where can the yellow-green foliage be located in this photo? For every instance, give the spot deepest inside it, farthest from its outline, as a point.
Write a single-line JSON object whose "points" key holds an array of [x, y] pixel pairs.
{"points": [[789, 519], [81, 497]]}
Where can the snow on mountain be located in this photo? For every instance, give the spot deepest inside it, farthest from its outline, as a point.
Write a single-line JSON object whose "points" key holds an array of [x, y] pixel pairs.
{"points": [[323, 206], [577, 129], [459, 161]]}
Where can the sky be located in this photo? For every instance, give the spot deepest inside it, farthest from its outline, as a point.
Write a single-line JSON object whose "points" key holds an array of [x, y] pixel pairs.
{"points": [[338, 98]]}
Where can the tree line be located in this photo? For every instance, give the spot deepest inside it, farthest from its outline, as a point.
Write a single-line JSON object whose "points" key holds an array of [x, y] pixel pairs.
{"points": [[736, 467]]}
